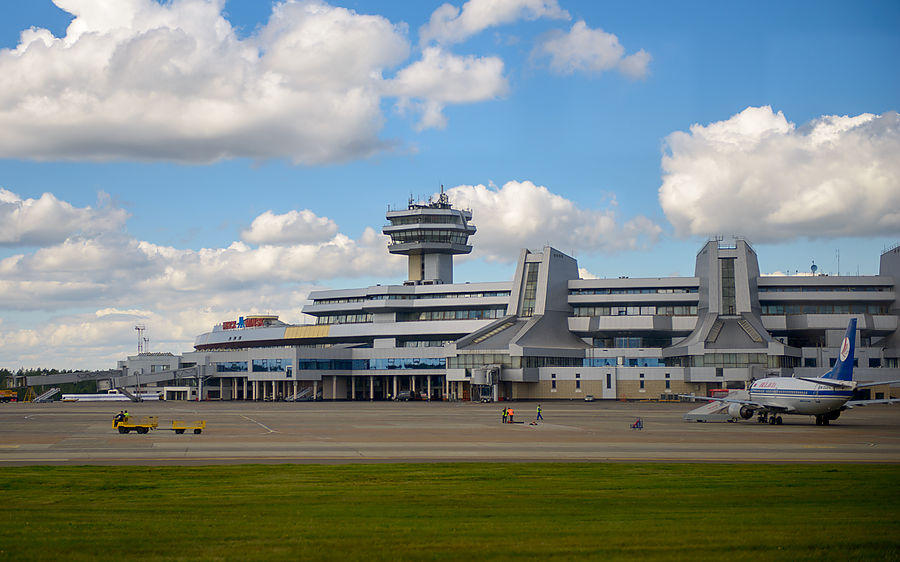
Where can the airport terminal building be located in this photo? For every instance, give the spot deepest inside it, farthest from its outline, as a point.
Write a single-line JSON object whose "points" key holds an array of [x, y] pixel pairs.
{"points": [[546, 333]]}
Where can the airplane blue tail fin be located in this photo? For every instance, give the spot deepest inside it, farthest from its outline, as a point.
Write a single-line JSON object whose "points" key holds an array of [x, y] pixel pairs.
{"points": [[843, 367]]}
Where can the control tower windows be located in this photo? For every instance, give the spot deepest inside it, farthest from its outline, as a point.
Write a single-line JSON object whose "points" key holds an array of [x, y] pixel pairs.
{"points": [[726, 266], [529, 293]]}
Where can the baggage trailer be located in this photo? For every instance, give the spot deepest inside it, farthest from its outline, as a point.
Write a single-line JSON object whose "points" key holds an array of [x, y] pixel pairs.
{"points": [[142, 425], [146, 423], [179, 426]]}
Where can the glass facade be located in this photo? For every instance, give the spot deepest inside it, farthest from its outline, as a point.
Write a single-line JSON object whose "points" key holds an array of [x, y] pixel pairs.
{"points": [[423, 343], [625, 362], [852, 289], [428, 235], [371, 364], [732, 360], [426, 219], [270, 365], [344, 319], [231, 367], [470, 295], [465, 314], [636, 291], [636, 310], [529, 291], [631, 341], [835, 308], [726, 266]]}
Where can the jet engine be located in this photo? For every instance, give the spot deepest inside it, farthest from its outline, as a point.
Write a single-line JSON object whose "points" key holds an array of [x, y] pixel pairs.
{"points": [[740, 411]]}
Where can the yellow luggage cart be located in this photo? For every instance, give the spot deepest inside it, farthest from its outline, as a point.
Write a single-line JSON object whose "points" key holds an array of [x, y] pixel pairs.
{"points": [[179, 426], [141, 425]]}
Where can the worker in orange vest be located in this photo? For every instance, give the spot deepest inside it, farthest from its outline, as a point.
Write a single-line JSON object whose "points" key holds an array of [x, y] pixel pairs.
{"points": [[510, 415]]}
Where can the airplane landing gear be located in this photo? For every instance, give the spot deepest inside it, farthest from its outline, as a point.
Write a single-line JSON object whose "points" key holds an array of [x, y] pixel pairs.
{"points": [[762, 418]]}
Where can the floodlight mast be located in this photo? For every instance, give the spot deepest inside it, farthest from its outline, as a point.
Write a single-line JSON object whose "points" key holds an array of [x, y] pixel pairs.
{"points": [[143, 343]]}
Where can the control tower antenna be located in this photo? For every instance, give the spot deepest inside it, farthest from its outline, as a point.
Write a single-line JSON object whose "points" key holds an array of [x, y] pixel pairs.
{"points": [[143, 343]]}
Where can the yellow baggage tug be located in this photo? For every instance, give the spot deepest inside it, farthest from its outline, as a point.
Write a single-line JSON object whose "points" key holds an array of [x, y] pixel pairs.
{"points": [[145, 423]]}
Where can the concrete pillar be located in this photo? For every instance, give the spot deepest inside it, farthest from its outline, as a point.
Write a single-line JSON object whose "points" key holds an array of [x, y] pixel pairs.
{"points": [[412, 383], [371, 388], [244, 379], [256, 390], [428, 384], [395, 387], [334, 387], [315, 389], [352, 387]]}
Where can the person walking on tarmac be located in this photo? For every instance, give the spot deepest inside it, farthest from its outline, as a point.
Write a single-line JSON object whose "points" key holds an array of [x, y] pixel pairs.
{"points": [[510, 415], [505, 413], [539, 416]]}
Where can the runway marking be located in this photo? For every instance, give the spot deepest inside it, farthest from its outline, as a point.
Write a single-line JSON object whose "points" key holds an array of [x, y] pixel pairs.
{"points": [[262, 425]]}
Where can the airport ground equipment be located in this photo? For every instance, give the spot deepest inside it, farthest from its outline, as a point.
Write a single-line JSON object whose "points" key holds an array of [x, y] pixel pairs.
{"points": [[47, 396], [145, 423], [141, 425], [8, 396], [179, 426]]}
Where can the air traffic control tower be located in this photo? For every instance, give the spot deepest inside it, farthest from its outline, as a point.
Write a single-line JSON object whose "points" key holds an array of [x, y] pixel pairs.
{"points": [[430, 234]]}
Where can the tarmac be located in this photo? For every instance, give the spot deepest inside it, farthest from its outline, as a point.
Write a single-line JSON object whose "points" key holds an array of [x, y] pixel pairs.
{"points": [[372, 432]]}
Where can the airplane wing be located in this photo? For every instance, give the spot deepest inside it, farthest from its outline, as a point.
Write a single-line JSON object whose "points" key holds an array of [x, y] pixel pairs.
{"points": [[865, 384], [750, 403], [854, 403], [831, 383]]}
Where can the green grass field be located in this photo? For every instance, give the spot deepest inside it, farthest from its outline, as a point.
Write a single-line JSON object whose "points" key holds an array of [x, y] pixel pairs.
{"points": [[452, 511]]}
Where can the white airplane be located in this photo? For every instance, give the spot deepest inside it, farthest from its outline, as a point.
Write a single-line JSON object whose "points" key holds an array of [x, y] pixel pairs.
{"points": [[824, 397]]}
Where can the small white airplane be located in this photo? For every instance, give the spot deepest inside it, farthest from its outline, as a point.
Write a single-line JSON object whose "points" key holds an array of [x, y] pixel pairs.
{"points": [[824, 397]]}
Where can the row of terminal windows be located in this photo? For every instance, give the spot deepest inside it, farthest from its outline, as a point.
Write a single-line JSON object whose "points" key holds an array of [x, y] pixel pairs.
{"points": [[631, 342], [645, 291], [472, 295], [467, 314], [344, 319], [864, 289], [470, 361], [853, 308], [441, 236], [731, 360], [394, 363], [259, 366], [626, 310], [426, 219], [424, 343], [623, 362]]}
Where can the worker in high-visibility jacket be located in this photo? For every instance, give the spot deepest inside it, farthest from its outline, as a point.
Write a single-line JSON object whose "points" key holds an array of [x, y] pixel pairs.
{"points": [[510, 415]]}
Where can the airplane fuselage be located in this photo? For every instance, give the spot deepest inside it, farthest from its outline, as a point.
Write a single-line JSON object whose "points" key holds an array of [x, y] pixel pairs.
{"points": [[798, 396]]}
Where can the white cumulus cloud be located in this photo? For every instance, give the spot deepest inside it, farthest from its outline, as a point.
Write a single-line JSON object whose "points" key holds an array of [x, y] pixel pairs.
{"points": [[449, 24], [145, 80], [759, 175], [524, 214], [439, 78], [590, 51], [292, 227], [47, 220]]}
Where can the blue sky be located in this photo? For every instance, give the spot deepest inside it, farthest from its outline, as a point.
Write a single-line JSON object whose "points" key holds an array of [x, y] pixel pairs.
{"points": [[179, 164]]}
